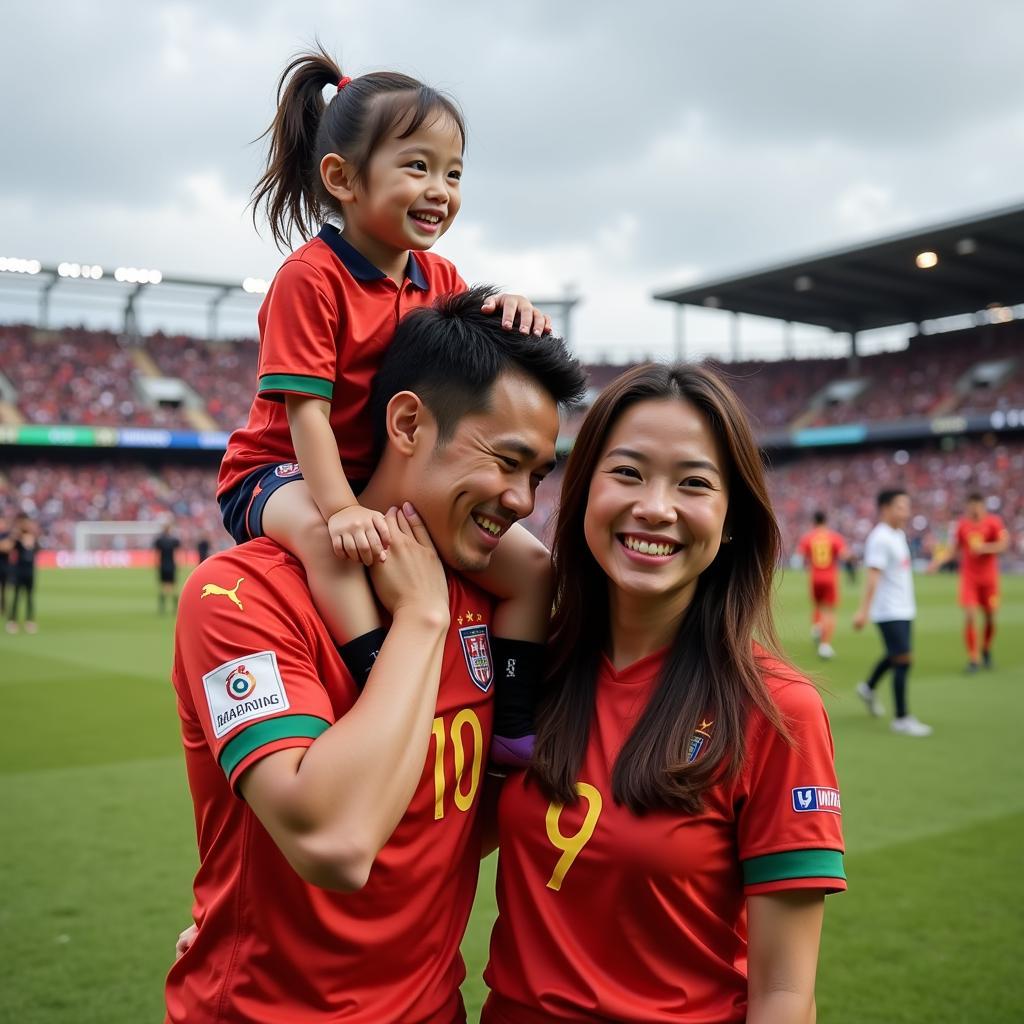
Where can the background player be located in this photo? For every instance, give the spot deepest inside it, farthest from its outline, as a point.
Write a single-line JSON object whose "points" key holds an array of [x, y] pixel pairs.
{"points": [[382, 164], [23, 544], [822, 550], [166, 546], [889, 601], [979, 538]]}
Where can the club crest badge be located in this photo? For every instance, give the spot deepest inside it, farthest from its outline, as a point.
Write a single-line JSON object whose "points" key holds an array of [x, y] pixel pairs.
{"points": [[287, 469], [476, 648], [697, 740]]}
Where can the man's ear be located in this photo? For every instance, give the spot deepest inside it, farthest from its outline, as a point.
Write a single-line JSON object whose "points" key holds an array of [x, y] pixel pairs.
{"points": [[338, 176], [406, 416]]}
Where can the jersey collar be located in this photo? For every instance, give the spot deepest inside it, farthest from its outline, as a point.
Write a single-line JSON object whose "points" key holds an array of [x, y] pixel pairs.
{"points": [[360, 267]]}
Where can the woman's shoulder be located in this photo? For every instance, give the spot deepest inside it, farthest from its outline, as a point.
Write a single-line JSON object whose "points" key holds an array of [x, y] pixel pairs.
{"points": [[790, 690]]}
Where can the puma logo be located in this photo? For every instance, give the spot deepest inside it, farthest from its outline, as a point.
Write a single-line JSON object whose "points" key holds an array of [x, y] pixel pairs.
{"points": [[215, 590]]}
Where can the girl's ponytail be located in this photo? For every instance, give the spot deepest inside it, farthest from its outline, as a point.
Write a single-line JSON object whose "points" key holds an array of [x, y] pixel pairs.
{"points": [[358, 118], [290, 187]]}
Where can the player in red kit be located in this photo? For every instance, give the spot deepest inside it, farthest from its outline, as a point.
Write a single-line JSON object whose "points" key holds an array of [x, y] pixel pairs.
{"points": [[979, 538], [666, 859], [337, 825], [822, 550]]}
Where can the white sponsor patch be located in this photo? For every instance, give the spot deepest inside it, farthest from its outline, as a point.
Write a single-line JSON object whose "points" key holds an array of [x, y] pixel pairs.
{"points": [[243, 689]]}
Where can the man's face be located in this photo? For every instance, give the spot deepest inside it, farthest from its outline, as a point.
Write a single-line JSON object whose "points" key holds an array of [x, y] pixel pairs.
{"points": [[899, 512], [471, 489]]}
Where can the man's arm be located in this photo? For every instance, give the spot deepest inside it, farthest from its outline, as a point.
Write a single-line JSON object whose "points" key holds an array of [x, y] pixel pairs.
{"points": [[331, 806], [870, 586]]}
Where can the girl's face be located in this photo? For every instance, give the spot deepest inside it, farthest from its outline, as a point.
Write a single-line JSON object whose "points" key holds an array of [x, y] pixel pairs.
{"points": [[657, 503], [410, 192]]}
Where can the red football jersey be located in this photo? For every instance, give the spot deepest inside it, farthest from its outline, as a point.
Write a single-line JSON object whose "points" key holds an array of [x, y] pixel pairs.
{"points": [[324, 325], [969, 534], [606, 915], [255, 671], [821, 549]]}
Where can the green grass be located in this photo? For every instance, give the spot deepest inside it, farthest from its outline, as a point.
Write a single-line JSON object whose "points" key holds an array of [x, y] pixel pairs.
{"points": [[97, 848]]}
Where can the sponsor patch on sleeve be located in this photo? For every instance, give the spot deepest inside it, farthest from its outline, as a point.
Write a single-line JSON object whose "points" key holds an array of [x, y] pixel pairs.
{"points": [[244, 689], [816, 798]]}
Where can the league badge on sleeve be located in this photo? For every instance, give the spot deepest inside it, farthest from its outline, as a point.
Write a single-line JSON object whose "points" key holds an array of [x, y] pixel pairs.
{"points": [[476, 648], [816, 798], [243, 689]]}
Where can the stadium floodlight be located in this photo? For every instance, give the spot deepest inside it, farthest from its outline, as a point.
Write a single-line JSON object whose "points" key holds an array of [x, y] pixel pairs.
{"points": [[803, 284], [255, 286], [17, 265], [87, 271], [713, 302], [927, 259], [138, 275], [966, 247], [999, 314]]}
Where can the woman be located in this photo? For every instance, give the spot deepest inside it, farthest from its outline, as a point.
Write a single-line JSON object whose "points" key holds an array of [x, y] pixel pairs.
{"points": [[668, 856]]}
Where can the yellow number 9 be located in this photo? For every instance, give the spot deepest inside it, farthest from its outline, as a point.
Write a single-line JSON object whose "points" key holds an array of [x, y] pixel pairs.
{"points": [[571, 845]]}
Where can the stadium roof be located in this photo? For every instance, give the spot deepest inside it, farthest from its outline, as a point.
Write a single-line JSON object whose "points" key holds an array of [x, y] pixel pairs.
{"points": [[959, 267]]}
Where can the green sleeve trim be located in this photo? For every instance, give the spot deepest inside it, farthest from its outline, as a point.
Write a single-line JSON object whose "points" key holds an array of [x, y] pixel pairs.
{"points": [[294, 382], [776, 867], [262, 733]]}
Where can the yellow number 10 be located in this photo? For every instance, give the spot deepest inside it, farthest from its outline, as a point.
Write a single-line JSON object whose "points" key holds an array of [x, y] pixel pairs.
{"points": [[571, 845], [463, 800]]}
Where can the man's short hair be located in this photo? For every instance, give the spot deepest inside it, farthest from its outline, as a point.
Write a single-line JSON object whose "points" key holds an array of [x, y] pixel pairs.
{"points": [[819, 518], [976, 496], [451, 354], [886, 498]]}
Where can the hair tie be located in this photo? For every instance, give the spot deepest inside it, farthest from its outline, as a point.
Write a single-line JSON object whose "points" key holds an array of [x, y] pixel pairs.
{"points": [[343, 81]]}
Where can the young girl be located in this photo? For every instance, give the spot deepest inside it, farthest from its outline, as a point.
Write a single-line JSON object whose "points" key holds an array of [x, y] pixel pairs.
{"points": [[371, 178]]}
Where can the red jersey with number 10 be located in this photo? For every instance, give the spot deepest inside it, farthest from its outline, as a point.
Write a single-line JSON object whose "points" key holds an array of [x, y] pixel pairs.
{"points": [[970, 533], [255, 672], [605, 915]]}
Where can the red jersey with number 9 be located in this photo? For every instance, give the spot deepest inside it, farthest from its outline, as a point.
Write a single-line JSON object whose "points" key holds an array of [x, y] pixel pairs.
{"points": [[606, 915], [821, 549], [256, 671]]}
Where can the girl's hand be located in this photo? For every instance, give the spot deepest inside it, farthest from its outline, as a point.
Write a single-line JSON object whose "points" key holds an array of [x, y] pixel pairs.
{"points": [[185, 939], [359, 534], [413, 577], [529, 317]]}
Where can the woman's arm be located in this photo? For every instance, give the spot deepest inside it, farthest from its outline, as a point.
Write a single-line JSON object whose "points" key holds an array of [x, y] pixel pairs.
{"points": [[784, 932]]}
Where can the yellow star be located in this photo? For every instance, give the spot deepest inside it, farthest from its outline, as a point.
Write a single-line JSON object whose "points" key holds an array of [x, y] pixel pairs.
{"points": [[706, 725]]}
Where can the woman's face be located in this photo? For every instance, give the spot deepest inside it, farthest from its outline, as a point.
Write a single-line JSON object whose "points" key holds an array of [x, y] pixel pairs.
{"points": [[657, 502]]}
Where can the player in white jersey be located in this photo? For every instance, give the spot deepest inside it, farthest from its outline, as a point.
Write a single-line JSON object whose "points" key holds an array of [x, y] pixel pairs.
{"points": [[888, 600]]}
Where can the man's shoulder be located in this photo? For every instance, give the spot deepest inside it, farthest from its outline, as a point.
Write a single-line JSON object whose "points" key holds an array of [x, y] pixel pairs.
{"points": [[262, 564]]}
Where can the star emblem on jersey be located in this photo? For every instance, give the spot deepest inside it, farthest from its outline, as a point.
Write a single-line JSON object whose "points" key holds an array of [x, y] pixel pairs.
{"points": [[469, 617], [476, 648], [215, 590]]}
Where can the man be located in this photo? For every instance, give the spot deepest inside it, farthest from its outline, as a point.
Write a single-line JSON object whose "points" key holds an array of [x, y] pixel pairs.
{"points": [[889, 601], [166, 546], [24, 546], [822, 550], [299, 787], [980, 537]]}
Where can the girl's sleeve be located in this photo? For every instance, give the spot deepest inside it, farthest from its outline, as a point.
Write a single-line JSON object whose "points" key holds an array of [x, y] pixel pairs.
{"points": [[299, 325]]}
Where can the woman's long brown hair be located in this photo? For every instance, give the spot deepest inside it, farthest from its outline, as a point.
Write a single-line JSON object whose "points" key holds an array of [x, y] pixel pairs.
{"points": [[711, 670]]}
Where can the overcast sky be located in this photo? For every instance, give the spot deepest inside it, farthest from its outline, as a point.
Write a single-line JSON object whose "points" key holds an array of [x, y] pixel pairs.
{"points": [[614, 148]]}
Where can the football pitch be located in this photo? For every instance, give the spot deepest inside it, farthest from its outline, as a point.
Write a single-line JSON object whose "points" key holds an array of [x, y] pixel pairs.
{"points": [[98, 847]]}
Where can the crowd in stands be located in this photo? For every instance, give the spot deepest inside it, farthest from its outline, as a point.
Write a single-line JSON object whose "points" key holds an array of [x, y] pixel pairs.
{"points": [[76, 377], [843, 484], [87, 377]]}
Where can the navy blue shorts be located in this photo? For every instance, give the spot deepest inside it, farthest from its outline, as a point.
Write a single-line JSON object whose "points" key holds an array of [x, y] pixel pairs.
{"points": [[896, 634], [242, 507]]}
